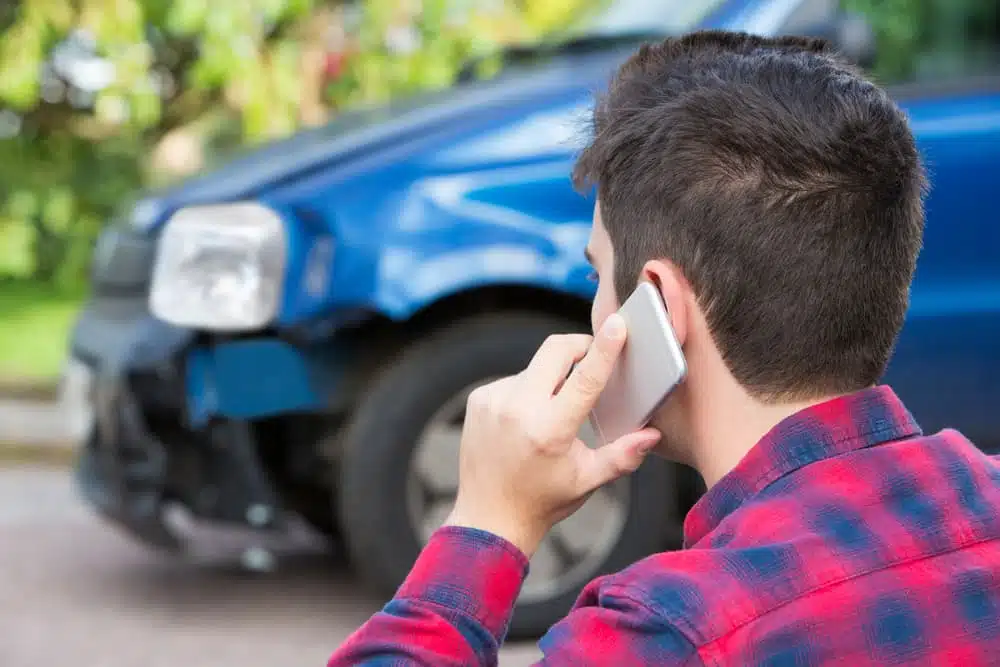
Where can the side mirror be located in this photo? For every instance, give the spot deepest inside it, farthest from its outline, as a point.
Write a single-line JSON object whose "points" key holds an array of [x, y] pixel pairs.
{"points": [[852, 35]]}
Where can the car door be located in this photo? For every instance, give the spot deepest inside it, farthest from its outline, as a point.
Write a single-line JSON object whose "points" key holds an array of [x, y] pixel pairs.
{"points": [[946, 75], [947, 361]]}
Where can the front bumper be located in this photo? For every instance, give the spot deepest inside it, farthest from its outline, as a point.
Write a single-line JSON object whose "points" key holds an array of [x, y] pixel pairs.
{"points": [[139, 456], [121, 470], [135, 464], [173, 418]]}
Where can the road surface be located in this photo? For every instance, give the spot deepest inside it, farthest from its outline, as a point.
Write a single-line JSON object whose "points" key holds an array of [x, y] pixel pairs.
{"points": [[35, 422], [74, 592]]}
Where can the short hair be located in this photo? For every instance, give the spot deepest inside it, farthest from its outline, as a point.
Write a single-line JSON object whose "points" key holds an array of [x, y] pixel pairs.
{"points": [[785, 185]]}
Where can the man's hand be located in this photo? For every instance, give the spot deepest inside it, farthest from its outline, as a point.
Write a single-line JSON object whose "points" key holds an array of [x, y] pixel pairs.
{"points": [[523, 468]]}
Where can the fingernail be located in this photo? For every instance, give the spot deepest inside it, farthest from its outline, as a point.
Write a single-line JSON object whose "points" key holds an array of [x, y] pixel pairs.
{"points": [[614, 327]]}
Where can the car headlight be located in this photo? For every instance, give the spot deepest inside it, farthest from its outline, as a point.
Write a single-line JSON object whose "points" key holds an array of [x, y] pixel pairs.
{"points": [[220, 267]]}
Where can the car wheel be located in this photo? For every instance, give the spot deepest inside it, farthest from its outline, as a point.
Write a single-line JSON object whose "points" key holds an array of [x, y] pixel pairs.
{"points": [[399, 473]]}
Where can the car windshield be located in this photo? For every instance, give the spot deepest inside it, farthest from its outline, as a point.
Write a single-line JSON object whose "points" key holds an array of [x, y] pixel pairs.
{"points": [[614, 22]]}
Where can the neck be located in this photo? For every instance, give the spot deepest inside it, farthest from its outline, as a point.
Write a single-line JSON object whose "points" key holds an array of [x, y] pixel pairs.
{"points": [[722, 422], [721, 443]]}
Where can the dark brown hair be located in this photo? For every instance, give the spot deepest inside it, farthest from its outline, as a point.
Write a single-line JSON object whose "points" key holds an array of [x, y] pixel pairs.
{"points": [[787, 188]]}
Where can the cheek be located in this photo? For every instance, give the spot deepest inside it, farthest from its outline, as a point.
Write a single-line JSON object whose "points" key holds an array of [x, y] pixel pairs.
{"points": [[605, 303]]}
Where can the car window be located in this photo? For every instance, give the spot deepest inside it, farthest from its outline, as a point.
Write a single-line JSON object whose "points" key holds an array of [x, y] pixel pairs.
{"points": [[932, 41]]}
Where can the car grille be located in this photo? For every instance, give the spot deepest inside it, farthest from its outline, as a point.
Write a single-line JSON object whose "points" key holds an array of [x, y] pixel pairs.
{"points": [[122, 262]]}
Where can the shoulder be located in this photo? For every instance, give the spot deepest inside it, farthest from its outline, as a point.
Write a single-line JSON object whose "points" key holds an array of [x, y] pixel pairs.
{"points": [[831, 522], [700, 592]]}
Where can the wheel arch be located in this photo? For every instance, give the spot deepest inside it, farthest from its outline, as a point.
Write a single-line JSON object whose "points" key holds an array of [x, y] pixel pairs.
{"points": [[389, 337], [385, 337]]}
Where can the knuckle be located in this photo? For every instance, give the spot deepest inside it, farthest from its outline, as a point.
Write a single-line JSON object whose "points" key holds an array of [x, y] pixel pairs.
{"points": [[507, 412], [552, 342], [560, 346], [581, 342], [478, 399], [535, 436]]}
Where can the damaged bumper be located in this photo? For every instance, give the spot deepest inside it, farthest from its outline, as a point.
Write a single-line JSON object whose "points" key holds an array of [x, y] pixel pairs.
{"points": [[140, 454]]}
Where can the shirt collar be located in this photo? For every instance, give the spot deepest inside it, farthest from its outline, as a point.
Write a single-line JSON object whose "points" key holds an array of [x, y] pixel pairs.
{"points": [[863, 419]]}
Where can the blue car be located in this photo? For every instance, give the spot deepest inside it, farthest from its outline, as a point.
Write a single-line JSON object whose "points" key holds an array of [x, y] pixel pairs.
{"points": [[295, 333]]}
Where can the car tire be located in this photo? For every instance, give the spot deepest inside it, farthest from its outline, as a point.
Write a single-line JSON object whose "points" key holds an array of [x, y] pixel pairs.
{"points": [[380, 441]]}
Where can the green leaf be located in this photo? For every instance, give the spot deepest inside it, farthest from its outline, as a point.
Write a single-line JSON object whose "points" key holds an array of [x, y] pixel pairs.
{"points": [[145, 104], [22, 205], [17, 238], [58, 209], [187, 17]]}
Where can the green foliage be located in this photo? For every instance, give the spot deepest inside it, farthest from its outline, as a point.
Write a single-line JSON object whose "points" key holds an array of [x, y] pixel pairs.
{"points": [[101, 98], [931, 39], [36, 320]]}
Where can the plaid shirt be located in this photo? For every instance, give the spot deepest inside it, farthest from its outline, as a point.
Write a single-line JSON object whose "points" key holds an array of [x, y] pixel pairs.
{"points": [[844, 536]]}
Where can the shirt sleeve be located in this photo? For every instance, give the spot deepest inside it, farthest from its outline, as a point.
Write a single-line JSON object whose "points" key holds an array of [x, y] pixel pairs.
{"points": [[453, 609], [455, 606], [612, 625]]}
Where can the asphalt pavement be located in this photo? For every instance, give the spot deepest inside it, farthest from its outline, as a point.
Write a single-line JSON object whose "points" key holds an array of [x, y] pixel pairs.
{"points": [[39, 423], [75, 592]]}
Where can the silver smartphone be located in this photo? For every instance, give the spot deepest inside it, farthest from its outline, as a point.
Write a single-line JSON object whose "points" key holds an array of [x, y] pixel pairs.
{"points": [[650, 366]]}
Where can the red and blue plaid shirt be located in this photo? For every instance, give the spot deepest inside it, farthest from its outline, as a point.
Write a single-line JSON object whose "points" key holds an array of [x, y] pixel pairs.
{"points": [[845, 536]]}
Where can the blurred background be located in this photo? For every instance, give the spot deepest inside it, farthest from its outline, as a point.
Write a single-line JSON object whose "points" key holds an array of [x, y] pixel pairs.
{"points": [[102, 101]]}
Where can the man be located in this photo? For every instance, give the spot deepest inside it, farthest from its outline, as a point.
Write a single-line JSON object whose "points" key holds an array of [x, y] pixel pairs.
{"points": [[774, 197]]}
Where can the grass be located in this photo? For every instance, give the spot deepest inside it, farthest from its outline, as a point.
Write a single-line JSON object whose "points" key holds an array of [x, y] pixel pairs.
{"points": [[35, 323], [42, 455]]}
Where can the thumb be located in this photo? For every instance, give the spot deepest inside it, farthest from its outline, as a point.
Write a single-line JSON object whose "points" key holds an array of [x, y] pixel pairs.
{"points": [[618, 458]]}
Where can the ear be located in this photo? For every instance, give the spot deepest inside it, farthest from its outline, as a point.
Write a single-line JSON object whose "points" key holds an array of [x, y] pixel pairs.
{"points": [[675, 290]]}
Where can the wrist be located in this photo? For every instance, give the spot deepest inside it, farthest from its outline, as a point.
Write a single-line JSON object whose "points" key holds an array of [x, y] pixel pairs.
{"points": [[519, 534]]}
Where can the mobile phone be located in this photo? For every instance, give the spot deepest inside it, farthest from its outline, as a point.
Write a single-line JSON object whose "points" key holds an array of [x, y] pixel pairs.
{"points": [[650, 366]]}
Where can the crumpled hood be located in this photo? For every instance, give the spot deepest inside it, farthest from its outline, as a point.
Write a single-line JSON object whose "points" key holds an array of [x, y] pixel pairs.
{"points": [[361, 132]]}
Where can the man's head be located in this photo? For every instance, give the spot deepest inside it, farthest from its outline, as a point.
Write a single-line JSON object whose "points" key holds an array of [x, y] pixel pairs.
{"points": [[774, 195]]}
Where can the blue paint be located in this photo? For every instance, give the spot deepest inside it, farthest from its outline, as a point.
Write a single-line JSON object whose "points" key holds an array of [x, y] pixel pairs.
{"points": [[251, 379], [470, 188]]}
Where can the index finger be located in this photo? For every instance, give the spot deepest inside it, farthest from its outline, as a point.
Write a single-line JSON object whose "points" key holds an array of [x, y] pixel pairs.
{"points": [[584, 385], [551, 364]]}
